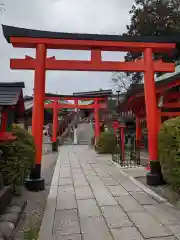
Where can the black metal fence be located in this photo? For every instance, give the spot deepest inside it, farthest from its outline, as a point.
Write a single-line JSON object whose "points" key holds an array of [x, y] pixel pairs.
{"points": [[130, 157]]}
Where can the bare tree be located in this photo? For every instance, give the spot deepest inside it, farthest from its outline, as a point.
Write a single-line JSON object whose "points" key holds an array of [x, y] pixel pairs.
{"points": [[121, 81], [2, 8]]}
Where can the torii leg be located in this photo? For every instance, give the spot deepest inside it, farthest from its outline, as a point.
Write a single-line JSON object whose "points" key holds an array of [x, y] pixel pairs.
{"points": [[36, 183], [75, 127], [97, 122], [155, 176], [138, 138], [55, 125], [122, 142]]}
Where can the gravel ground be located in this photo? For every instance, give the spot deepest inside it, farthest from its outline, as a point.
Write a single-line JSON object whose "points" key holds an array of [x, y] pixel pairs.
{"points": [[36, 201]]}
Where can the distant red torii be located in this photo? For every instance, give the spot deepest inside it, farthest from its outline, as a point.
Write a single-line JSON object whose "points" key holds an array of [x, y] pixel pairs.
{"points": [[56, 106]]}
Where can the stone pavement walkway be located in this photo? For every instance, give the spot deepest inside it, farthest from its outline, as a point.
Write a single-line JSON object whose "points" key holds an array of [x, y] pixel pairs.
{"points": [[91, 199]]}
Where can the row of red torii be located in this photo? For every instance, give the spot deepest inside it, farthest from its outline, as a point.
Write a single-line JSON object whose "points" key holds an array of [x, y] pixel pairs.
{"points": [[56, 106], [43, 40]]}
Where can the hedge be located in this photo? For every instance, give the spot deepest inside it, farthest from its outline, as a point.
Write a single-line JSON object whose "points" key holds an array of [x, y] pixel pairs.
{"points": [[169, 151], [18, 157], [106, 143]]}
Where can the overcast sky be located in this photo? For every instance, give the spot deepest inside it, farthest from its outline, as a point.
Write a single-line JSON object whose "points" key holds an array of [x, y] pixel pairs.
{"points": [[79, 16]]}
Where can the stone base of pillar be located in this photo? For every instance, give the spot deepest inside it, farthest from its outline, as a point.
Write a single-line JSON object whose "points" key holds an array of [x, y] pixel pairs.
{"points": [[35, 183], [155, 177], [55, 146]]}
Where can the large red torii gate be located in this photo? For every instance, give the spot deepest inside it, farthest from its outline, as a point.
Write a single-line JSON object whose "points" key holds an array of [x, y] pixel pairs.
{"points": [[43, 40], [55, 105]]}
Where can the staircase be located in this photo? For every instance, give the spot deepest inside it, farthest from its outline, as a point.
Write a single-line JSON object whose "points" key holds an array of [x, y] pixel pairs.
{"points": [[68, 141], [83, 142], [65, 136], [84, 134], [11, 209]]}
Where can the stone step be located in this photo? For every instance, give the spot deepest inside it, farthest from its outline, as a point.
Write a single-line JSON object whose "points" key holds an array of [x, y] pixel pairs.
{"points": [[68, 142], [5, 198], [10, 218], [83, 142]]}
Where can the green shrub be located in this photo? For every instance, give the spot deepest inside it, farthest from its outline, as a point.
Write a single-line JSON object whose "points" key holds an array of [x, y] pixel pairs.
{"points": [[169, 151], [106, 143], [18, 157]]}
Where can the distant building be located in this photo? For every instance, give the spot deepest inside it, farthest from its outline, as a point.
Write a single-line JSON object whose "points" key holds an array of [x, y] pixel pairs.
{"points": [[92, 94], [11, 105], [28, 103]]}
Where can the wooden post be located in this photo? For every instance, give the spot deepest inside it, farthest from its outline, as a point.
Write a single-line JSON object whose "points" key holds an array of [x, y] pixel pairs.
{"points": [[138, 139], [138, 132], [54, 127], [4, 120], [122, 142], [55, 121], [75, 127], [97, 122]]}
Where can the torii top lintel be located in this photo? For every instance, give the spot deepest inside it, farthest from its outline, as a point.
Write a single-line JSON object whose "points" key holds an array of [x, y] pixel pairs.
{"points": [[79, 96], [27, 38]]}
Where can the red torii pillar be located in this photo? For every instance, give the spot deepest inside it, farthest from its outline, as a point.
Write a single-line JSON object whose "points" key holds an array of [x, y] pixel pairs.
{"points": [[122, 127], [154, 177], [76, 101], [36, 182], [97, 121], [115, 126], [138, 131], [138, 139], [55, 127], [4, 119]]}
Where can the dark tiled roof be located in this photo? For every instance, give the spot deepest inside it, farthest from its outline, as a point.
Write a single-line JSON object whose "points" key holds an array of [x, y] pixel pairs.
{"points": [[138, 88], [99, 93], [10, 31], [103, 93], [28, 98], [58, 95], [10, 93], [135, 88], [12, 84]]}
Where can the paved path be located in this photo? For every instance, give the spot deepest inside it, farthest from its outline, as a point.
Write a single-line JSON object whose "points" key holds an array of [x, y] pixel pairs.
{"points": [[84, 134], [91, 199], [85, 131]]}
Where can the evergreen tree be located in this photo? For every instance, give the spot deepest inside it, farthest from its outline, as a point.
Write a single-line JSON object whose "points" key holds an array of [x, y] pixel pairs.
{"points": [[153, 18]]}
